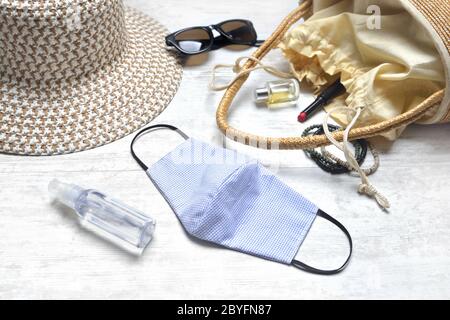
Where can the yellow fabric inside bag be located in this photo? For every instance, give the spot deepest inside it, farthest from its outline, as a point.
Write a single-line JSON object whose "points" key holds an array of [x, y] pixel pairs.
{"points": [[386, 70]]}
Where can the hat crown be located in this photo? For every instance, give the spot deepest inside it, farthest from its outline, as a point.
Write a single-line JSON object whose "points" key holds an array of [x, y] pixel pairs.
{"points": [[52, 40]]}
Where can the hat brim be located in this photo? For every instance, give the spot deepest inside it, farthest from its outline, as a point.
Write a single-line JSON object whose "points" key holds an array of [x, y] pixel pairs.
{"points": [[97, 108]]}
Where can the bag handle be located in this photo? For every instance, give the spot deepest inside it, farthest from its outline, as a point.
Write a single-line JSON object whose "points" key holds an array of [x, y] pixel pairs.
{"points": [[297, 142]]}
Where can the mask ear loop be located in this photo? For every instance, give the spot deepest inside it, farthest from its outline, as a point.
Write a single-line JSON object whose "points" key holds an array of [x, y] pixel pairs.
{"points": [[307, 268], [150, 129]]}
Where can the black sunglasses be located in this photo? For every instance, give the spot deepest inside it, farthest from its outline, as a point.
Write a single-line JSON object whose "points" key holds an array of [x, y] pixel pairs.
{"points": [[197, 40]]}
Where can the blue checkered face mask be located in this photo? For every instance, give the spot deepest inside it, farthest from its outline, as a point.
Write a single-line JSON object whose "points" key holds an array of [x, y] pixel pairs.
{"points": [[228, 199]]}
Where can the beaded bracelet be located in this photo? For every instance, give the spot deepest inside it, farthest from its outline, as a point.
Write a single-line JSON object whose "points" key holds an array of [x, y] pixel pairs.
{"points": [[332, 164], [367, 171]]}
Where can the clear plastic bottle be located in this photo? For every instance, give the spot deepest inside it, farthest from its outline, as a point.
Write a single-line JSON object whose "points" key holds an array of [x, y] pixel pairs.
{"points": [[115, 221], [280, 93]]}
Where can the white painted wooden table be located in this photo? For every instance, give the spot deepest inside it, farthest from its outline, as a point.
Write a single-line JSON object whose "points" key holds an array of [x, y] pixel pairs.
{"points": [[403, 254]]}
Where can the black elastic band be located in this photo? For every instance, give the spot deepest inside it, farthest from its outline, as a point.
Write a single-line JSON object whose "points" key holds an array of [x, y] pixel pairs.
{"points": [[305, 267], [146, 130]]}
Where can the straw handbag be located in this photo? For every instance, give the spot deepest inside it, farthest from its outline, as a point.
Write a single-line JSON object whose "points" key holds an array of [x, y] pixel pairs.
{"points": [[432, 14]]}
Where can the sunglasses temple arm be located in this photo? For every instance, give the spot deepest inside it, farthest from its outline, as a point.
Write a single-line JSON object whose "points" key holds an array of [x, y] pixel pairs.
{"points": [[221, 41], [259, 43]]}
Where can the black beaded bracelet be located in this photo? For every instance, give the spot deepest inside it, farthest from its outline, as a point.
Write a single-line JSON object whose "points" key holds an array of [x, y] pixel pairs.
{"points": [[327, 164]]}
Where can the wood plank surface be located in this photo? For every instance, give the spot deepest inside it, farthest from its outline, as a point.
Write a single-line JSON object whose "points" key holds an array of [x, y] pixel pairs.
{"points": [[405, 253]]}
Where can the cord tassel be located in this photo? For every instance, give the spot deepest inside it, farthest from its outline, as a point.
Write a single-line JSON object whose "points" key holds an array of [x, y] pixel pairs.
{"points": [[365, 187]]}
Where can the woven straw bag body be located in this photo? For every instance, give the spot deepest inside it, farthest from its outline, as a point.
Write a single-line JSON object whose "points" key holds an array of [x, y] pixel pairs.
{"points": [[432, 14]]}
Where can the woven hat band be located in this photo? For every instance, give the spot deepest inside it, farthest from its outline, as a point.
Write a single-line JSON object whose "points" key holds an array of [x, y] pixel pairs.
{"points": [[53, 40]]}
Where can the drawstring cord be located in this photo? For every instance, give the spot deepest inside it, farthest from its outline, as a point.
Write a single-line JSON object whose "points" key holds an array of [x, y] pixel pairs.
{"points": [[365, 186], [237, 69]]}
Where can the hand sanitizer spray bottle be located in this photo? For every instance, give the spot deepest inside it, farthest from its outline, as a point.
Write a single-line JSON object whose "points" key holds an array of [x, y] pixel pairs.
{"points": [[124, 226]]}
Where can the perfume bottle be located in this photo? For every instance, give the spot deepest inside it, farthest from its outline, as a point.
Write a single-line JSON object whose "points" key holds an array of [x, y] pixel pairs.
{"points": [[278, 94], [124, 226]]}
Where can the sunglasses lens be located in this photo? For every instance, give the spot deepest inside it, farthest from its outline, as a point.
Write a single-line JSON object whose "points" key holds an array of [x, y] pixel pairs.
{"points": [[239, 31], [193, 40]]}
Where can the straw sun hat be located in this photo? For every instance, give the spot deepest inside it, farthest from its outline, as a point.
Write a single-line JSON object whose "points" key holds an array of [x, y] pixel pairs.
{"points": [[77, 74]]}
